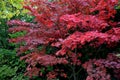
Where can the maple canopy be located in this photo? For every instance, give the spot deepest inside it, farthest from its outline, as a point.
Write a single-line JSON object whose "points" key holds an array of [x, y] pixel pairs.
{"points": [[66, 27]]}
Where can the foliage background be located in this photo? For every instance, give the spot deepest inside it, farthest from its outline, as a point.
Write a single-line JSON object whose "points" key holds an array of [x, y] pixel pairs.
{"points": [[11, 68]]}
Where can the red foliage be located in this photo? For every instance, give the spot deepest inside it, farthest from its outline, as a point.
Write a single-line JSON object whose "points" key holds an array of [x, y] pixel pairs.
{"points": [[84, 22], [44, 60], [68, 25], [97, 69], [95, 73]]}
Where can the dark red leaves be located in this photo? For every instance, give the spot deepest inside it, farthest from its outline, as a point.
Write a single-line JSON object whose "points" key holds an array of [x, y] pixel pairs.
{"points": [[17, 29], [45, 60], [95, 73], [112, 62], [19, 23], [86, 22], [66, 27], [93, 37]]}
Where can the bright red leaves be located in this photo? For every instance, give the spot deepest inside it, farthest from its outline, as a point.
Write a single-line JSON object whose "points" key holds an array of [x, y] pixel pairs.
{"points": [[67, 26]]}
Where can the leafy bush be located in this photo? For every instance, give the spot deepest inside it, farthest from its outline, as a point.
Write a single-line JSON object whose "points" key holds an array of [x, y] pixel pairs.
{"points": [[70, 39], [11, 68], [10, 8]]}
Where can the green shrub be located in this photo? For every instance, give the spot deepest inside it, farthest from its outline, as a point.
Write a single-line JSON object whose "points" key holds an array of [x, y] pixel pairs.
{"points": [[11, 68]]}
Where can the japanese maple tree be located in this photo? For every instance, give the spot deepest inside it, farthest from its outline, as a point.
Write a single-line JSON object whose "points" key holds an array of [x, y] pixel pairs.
{"points": [[71, 39]]}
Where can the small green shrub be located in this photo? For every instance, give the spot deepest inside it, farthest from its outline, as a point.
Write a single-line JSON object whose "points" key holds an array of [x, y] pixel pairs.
{"points": [[11, 68]]}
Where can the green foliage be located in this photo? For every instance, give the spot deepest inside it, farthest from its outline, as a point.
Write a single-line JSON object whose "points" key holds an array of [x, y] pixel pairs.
{"points": [[11, 68], [4, 29], [50, 50], [10, 8], [3, 33], [7, 71], [17, 34], [49, 68], [118, 6]]}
